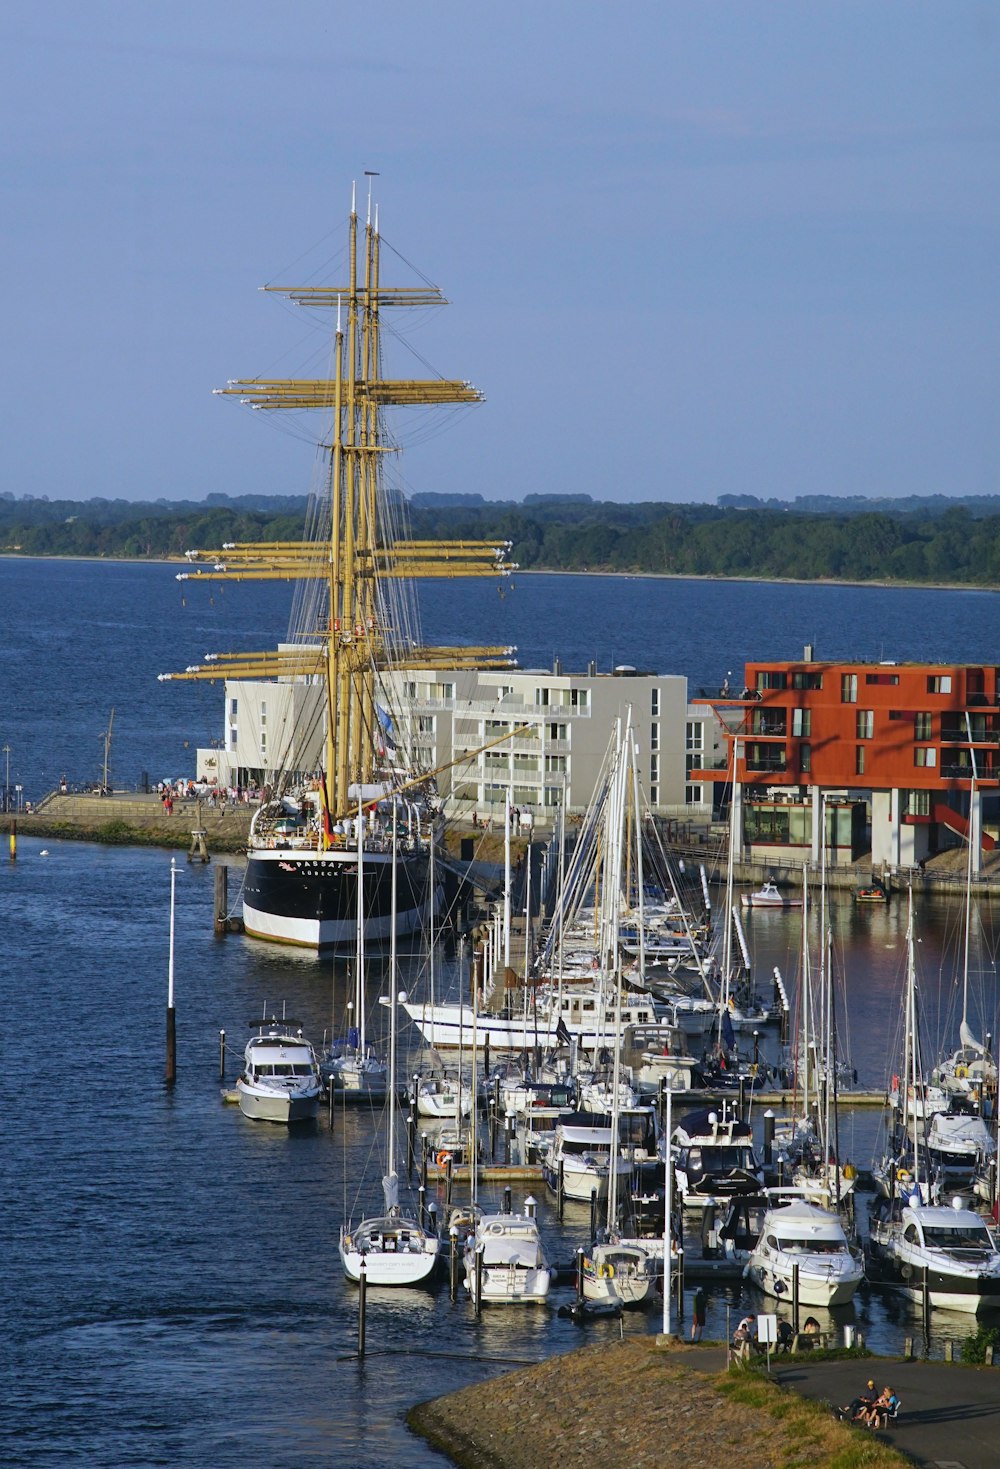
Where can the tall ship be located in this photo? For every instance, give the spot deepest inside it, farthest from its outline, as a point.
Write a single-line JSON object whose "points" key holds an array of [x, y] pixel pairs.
{"points": [[320, 854]]}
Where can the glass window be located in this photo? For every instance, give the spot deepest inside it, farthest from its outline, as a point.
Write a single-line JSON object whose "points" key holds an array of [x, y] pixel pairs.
{"points": [[882, 678], [654, 703], [233, 706], [579, 698], [805, 758], [803, 680], [922, 726], [859, 760], [694, 795], [542, 697], [694, 735], [770, 678], [802, 722], [925, 755], [654, 736], [848, 688], [939, 683], [864, 724], [654, 766]]}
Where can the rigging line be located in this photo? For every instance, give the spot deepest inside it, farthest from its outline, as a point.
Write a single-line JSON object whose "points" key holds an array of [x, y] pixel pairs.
{"points": [[339, 256]]}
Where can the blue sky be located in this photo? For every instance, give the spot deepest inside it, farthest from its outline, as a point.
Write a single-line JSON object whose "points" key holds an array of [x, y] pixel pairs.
{"points": [[692, 248]]}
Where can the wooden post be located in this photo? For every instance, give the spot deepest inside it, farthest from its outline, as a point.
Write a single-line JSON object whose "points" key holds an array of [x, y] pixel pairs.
{"points": [[170, 1072], [221, 899], [362, 1304]]}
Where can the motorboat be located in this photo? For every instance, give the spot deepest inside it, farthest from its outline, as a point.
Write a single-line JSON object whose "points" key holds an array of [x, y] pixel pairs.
{"points": [[443, 1096], [951, 1251], [804, 1248], [873, 892], [505, 1261], [280, 1080], [355, 1077], [770, 896], [581, 1155], [714, 1158]]}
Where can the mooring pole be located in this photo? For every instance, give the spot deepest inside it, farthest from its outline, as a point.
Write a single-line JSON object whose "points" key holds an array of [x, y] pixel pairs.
{"points": [[362, 1303], [170, 1073], [222, 1055]]}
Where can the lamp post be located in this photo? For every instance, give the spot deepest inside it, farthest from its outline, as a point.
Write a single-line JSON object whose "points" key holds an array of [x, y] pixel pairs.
{"points": [[6, 779]]}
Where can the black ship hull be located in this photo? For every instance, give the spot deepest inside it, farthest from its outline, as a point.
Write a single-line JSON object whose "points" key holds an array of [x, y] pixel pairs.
{"points": [[310, 899]]}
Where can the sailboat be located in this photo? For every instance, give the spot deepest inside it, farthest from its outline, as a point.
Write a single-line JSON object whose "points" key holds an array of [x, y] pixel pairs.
{"points": [[914, 1246], [392, 1248], [354, 633]]}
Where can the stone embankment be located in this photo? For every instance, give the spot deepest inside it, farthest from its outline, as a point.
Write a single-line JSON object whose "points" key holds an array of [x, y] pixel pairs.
{"points": [[135, 819], [638, 1403]]}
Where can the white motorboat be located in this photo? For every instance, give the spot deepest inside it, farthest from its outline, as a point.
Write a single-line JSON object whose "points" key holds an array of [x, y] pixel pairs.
{"points": [[804, 1241], [770, 896], [953, 1249], [582, 1156], [280, 1080], [506, 1257], [355, 1077], [443, 1096]]}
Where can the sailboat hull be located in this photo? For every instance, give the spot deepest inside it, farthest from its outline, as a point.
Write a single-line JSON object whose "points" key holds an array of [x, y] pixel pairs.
{"points": [[310, 899]]}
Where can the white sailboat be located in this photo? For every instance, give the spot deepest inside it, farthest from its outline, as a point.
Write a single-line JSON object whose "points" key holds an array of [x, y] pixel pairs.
{"points": [[392, 1248]]}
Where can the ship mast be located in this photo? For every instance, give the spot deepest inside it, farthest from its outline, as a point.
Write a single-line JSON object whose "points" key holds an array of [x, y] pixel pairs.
{"points": [[356, 640]]}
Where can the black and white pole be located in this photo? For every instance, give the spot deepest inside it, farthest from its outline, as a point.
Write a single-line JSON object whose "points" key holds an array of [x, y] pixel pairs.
{"points": [[668, 1207], [170, 1073]]}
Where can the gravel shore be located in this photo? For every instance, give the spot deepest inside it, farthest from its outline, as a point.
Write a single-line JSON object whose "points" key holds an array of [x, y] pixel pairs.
{"points": [[632, 1404]]}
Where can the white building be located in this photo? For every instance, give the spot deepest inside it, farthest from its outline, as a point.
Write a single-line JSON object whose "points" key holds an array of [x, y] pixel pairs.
{"points": [[454, 722]]}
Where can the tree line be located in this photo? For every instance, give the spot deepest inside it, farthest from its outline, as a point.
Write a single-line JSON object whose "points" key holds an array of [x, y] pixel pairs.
{"points": [[959, 544]]}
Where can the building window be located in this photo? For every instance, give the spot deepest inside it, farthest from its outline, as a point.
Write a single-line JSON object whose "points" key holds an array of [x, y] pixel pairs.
{"points": [[263, 742], [263, 712], [864, 724], [848, 688], [654, 703], [925, 755], [232, 739], [542, 697], [557, 731], [917, 803], [425, 724], [859, 759], [579, 698], [694, 735], [939, 683], [802, 722], [922, 726], [803, 680], [410, 689], [694, 795], [654, 795], [233, 705], [654, 736], [446, 691], [654, 768], [805, 758], [882, 678], [770, 678]]}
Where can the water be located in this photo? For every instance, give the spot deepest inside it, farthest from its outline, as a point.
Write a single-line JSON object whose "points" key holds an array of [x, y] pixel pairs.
{"points": [[174, 1293]]}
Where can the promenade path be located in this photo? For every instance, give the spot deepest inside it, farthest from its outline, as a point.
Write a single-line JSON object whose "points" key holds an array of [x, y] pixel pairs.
{"points": [[950, 1414]]}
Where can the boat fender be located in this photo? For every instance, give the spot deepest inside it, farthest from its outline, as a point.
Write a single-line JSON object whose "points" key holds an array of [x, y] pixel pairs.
{"points": [[961, 1072], [441, 1158], [906, 1271]]}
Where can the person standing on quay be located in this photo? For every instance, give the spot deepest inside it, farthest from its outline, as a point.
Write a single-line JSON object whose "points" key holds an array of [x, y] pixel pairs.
{"points": [[698, 1315]]}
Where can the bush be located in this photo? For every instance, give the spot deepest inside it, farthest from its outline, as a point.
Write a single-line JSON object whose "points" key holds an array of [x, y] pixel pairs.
{"points": [[974, 1347]]}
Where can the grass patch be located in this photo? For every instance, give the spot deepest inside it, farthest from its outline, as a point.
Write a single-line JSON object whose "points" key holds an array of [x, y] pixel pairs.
{"points": [[816, 1437]]}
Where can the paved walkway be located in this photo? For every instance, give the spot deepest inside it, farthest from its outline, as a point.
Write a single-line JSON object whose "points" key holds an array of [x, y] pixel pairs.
{"points": [[950, 1414]]}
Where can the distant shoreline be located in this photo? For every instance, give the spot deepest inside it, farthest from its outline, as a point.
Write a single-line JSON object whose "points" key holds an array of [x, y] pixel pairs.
{"points": [[776, 581]]}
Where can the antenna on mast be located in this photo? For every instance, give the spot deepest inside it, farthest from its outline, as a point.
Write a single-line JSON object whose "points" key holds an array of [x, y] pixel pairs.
{"points": [[370, 173]]}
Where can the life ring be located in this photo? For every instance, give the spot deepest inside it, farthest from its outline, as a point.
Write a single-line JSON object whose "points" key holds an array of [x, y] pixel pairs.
{"points": [[903, 1175], [606, 1272], [441, 1158], [961, 1072]]}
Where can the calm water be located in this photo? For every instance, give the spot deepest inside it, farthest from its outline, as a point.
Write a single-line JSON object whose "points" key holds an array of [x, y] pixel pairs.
{"points": [[173, 1287]]}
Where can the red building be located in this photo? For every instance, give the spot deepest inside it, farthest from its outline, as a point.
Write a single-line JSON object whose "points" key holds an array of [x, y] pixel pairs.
{"points": [[905, 748]]}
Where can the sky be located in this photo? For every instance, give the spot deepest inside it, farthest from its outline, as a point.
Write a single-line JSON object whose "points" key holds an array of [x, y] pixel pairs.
{"points": [[690, 249]]}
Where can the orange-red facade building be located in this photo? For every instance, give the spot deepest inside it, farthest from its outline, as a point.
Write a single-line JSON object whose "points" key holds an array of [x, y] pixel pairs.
{"points": [[908, 739]]}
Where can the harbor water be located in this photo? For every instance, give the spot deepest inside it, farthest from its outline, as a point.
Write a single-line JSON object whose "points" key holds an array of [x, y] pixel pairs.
{"points": [[174, 1288]]}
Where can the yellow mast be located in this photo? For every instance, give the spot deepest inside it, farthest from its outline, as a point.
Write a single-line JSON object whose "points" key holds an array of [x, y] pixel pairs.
{"points": [[354, 642]]}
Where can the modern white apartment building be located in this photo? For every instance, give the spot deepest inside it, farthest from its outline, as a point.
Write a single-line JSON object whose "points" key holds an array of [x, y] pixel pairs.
{"points": [[539, 735]]}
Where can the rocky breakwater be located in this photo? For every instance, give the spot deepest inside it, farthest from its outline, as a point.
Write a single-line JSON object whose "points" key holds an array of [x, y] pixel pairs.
{"points": [[640, 1403]]}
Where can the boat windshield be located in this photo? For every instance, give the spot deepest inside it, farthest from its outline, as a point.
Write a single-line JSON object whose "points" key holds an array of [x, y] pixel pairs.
{"points": [[810, 1246], [722, 1158], [960, 1237]]}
